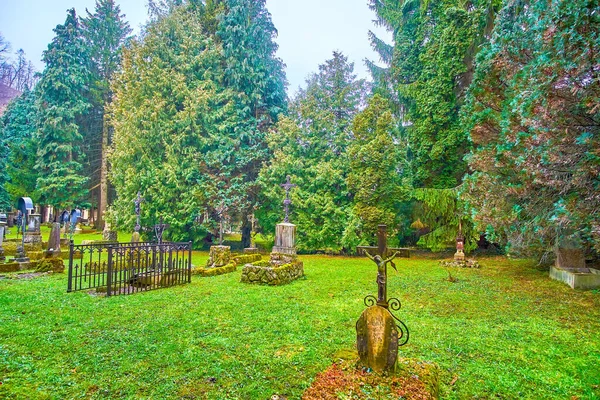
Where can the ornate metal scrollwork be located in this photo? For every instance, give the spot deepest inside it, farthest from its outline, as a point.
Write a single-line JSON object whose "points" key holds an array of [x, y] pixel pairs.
{"points": [[392, 304]]}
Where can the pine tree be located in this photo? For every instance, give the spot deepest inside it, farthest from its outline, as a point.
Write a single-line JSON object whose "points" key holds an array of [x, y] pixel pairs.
{"points": [[60, 101]]}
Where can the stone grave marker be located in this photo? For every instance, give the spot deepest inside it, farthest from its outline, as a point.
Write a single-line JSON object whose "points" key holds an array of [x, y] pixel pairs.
{"points": [[379, 333], [54, 239]]}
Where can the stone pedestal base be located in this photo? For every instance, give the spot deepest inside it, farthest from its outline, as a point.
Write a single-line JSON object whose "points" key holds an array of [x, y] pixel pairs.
{"points": [[219, 256], [33, 237], [250, 250], [459, 256], [285, 238]]}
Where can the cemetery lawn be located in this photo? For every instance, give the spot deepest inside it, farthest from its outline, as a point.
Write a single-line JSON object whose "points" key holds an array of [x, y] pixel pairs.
{"points": [[503, 331]]}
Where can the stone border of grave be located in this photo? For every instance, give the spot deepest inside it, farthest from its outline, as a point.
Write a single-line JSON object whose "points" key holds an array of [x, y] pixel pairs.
{"points": [[577, 278], [231, 266], [470, 263], [281, 269]]}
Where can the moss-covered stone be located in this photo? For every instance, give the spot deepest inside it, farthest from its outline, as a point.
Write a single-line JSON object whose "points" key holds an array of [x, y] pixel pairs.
{"points": [[246, 259], [226, 269], [48, 264], [219, 256], [262, 272], [10, 247], [9, 267]]}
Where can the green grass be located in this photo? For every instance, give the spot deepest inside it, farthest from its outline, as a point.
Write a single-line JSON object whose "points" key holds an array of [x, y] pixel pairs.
{"points": [[504, 331]]}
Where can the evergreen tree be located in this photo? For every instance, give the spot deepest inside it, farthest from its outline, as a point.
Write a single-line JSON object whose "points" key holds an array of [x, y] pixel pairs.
{"points": [[311, 145], [429, 68], [251, 69], [19, 126], [534, 118], [105, 32], [60, 101]]}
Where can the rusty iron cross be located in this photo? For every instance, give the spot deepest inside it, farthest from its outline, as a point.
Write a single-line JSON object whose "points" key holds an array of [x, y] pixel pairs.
{"points": [[288, 185], [379, 255]]}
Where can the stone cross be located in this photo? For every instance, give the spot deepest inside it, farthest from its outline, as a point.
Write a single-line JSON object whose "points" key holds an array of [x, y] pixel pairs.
{"points": [[220, 212], [252, 221], [138, 201], [288, 185]]}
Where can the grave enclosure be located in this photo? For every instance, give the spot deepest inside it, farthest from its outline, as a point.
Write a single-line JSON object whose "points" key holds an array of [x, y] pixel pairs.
{"points": [[125, 268]]}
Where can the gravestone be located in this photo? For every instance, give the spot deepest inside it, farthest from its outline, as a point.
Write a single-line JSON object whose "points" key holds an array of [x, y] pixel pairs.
{"points": [[283, 265], [32, 233], [2, 228], [378, 335], [54, 239], [108, 235], [252, 249]]}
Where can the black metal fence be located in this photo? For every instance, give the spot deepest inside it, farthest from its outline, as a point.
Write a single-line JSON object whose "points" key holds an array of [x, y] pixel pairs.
{"points": [[125, 268]]}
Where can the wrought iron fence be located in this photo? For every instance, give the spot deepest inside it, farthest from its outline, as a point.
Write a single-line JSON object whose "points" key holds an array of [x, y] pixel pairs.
{"points": [[125, 268]]}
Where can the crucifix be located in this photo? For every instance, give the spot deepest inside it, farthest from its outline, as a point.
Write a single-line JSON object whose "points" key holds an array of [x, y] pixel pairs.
{"points": [[288, 185], [159, 229], [380, 255], [138, 201]]}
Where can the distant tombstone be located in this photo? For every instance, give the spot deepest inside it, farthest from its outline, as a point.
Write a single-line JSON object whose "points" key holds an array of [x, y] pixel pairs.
{"points": [[2, 228], [54, 239], [285, 232], [135, 237]]}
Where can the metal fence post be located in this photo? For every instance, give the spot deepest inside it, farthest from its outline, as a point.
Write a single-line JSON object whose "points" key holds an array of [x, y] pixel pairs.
{"points": [[70, 283], [109, 271], [190, 262]]}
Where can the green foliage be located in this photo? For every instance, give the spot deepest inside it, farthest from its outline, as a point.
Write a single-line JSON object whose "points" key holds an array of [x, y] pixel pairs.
{"points": [[19, 120], [374, 161], [60, 102], [311, 146], [183, 134], [533, 116], [217, 338], [442, 212]]}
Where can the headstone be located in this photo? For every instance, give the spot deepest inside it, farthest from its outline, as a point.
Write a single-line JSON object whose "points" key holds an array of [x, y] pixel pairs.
{"points": [[219, 256], [2, 228], [21, 257], [285, 238], [54, 239], [32, 234], [252, 249], [108, 234], [377, 339], [377, 334]]}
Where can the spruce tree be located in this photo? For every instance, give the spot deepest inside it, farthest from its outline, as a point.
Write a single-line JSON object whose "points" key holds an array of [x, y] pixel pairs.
{"points": [[60, 101]]}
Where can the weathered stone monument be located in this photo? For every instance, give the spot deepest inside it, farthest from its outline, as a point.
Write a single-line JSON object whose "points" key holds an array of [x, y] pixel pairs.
{"points": [[283, 266], [252, 249], [379, 333], [54, 239], [219, 258], [108, 235]]}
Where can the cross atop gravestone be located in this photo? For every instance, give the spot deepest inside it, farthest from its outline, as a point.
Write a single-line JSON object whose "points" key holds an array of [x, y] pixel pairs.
{"points": [[138, 208], [288, 185], [379, 333]]}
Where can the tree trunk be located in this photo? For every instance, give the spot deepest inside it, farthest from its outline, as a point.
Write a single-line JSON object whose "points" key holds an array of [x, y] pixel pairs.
{"points": [[103, 198], [246, 232]]}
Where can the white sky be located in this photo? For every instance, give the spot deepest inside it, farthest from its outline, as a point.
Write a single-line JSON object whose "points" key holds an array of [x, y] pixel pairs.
{"points": [[309, 30]]}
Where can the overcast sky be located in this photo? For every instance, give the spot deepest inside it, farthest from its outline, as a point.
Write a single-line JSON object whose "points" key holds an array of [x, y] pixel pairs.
{"points": [[309, 30]]}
